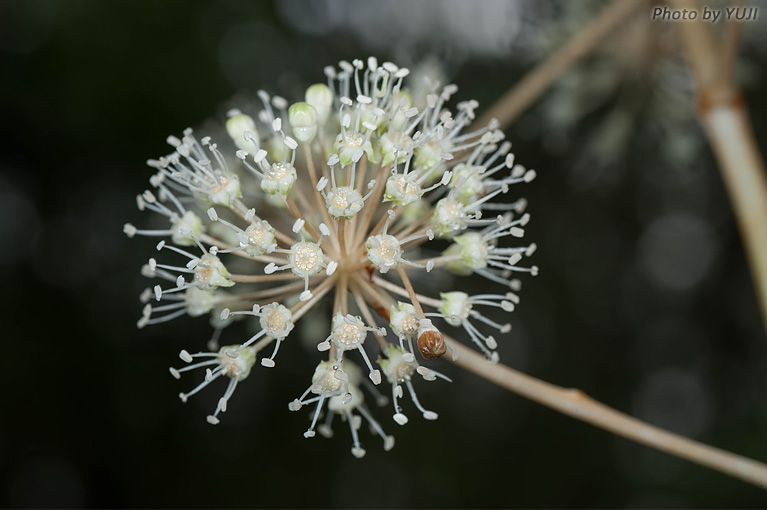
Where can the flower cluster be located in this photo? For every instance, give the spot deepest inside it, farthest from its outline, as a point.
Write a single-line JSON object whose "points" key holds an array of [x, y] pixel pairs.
{"points": [[338, 202]]}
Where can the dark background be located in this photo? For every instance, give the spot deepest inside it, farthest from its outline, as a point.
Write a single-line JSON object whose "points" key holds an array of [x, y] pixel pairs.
{"points": [[644, 299]]}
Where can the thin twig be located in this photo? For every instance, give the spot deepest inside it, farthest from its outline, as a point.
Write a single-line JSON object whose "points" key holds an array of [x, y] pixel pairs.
{"points": [[722, 111], [577, 404], [537, 81]]}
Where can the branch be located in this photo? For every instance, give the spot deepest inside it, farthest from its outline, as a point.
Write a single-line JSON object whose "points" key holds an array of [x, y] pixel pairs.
{"points": [[535, 83], [722, 111], [577, 404]]}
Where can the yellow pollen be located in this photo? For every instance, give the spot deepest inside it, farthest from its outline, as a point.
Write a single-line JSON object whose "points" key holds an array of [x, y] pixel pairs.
{"points": [[278, 171], [231, 369], [404, 372], [256, 234], [305, 259], [410, 324], [354, 140], [202, 274], [274, 320], [388, 250], [349, 334], [407, 187], [339, 199], [455, 208]]}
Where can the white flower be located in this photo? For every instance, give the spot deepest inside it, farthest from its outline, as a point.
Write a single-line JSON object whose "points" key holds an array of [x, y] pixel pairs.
{"points": [[364, 189], [236, 369]]}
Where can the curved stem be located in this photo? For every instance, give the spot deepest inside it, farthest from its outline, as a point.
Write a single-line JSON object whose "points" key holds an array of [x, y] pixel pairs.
{"points": [[722, 112], [577, 404], [535, 83]]}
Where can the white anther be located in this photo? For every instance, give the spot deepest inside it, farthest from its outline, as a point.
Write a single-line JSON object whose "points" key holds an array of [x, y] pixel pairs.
{"points": [[429, 265], [517, 232], [260, 155], [400, 418], [279, 102], [322, 183], [212, 420], [241, 154], [174, 373], [411, 112], [298, 225], [305, 295], [185, 356], [224, 314], [515, 257], [270, 268], [180, 281], [332, 266], [357, 155], [291, 143], [430, 415], [324, 230], [212, 214], [267, 362], [375, 376], [277, 124], [333, 159]]}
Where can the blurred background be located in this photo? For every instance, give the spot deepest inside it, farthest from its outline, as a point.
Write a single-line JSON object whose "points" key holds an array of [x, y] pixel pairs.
{"points": [[644, 299]]}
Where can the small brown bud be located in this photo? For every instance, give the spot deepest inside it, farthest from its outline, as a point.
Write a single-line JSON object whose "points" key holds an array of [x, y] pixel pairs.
{"points": [[431, 344]]}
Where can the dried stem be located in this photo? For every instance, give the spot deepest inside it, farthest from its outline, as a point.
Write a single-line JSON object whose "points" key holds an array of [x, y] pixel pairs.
{"points": [[577, 404], [535, 83], [722, 111]]}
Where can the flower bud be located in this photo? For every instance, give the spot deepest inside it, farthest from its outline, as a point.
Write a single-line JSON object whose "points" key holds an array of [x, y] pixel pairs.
{"points": [[236, 126], [321, 98], [303, 120]]}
